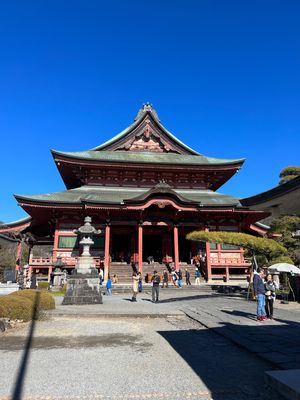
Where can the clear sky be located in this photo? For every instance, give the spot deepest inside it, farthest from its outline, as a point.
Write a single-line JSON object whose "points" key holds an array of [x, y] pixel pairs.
{"points": [[224, 77]]}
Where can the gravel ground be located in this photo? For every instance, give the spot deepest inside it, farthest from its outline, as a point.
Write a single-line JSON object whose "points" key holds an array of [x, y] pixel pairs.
{"points": [[113, 358]]}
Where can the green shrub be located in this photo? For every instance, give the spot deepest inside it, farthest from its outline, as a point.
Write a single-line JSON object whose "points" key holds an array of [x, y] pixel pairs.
{"points": [[14, 307], [45, 300], [43, 285]]}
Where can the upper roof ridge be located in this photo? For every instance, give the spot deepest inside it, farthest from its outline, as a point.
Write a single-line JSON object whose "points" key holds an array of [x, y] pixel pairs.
{"points": [[147, 107]]}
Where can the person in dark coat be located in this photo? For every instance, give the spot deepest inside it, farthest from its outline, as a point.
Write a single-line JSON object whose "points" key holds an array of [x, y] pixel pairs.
{"points": [[155, 287], [165, 278], [259, 291], [187, 277], [270, 287]]}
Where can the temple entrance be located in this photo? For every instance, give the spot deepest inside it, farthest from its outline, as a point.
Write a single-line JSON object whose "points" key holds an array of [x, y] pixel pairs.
{"points": [[185, 250], [152, 248], [120, 249]]}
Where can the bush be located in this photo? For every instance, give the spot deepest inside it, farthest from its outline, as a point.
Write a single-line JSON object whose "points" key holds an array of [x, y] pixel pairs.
{"points": [[14, 307], [43, 285], [46, 301], [25, 304]]}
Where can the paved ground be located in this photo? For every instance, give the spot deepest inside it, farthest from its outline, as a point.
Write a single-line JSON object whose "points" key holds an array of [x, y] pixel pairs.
{"points": [[91, 352]]}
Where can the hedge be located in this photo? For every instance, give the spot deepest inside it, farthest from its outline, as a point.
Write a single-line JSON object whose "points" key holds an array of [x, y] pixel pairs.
{"points": [[46, 301], [16, 308], [25, 304], [43, 285]]}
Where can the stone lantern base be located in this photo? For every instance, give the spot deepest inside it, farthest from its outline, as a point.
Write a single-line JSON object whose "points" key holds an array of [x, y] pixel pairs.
{"points": [[83, 288]]}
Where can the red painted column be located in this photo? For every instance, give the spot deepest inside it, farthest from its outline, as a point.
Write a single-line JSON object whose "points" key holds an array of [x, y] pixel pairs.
{"points": [[106, 250], [227, 274], [49, 273], [208, 261], [18, 256], [55, 245], [140, 247], [176, 248]]}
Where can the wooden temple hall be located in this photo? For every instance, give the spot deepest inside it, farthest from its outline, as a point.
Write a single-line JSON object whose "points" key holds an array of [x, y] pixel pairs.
{"points": [[145, 190]]}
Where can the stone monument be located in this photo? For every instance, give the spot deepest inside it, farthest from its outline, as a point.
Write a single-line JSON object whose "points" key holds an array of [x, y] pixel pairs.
{"points": [[58, 274], [83, 286]]}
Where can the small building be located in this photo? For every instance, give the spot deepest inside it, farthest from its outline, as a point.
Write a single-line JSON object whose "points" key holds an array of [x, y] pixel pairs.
{"points": [[145, 190]]}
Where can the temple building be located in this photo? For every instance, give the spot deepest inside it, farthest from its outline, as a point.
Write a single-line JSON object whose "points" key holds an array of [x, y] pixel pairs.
{"points": [[145, 190]]}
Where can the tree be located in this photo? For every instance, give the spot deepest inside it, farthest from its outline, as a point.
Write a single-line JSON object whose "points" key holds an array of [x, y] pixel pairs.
{"points": [[285, 226], [288, 173], [268, 248]]}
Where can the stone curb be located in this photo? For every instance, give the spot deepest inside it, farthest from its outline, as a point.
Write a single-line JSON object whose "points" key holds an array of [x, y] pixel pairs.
{"points": [[120, 315]]}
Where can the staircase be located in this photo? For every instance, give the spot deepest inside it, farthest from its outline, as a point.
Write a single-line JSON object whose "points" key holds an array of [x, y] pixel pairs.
{"points": [[124, 271]]}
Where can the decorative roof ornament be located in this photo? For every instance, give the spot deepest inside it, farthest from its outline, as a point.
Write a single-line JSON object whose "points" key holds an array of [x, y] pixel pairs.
{"points": [[162, 186], [147, 107]]}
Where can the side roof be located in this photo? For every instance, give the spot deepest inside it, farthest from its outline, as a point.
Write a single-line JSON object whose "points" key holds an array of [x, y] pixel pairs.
{"points": [[271, 194]]}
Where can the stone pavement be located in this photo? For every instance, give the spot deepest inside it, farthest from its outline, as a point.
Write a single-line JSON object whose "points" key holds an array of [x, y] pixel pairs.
{"points": [[162, 346], [277, 340], [104, 357]]}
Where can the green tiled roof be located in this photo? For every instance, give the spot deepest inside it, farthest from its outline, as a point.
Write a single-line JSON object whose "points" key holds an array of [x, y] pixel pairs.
{"points": [[117, 195], [147, 157], [147, 109]]}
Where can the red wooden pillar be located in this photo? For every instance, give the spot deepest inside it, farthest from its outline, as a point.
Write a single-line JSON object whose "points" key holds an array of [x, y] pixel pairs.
{"points": [[49, 273], [55, 245], [227, 274], [18, 256], [176, 248], [140, 247], [106, 251], [208, 261]]}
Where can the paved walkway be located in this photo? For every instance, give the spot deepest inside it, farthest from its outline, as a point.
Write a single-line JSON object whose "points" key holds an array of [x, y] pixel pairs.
{"points": [[277, 341], [231, 316], [98, 356], [102, 356]]}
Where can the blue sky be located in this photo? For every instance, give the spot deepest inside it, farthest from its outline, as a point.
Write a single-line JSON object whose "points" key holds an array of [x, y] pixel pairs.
{"points": [[222, 75]]}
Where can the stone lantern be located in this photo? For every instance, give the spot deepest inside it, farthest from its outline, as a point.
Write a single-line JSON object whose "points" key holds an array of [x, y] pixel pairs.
{"points": [[83, 286], [86, 263]]}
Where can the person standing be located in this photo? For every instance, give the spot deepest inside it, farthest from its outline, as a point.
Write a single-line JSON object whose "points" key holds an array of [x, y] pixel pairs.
{"points": [[135, 285], [140, 284], [155, 287], [187, 277], [109, 286], [197, 276], [270, 288], [174, 277], [259, 291], [179, 273], [101, 276], [165, 278]]}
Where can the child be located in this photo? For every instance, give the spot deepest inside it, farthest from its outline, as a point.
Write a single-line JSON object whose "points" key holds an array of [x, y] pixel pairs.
{"points": [[108, 285]]}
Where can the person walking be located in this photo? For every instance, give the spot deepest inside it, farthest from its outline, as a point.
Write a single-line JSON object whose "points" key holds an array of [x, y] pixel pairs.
{"points": [[197, 276], [101, 276], [187, 277], [165, 278], [174, 277], [109, 286], [135, 286], [259, 291], [270, 295], [140, 284], [155, 287], [179, 282]]}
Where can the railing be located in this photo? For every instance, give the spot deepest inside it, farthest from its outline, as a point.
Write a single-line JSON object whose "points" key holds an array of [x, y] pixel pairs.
{"points": [[68, 261], [229, 261], [40, 261]]}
